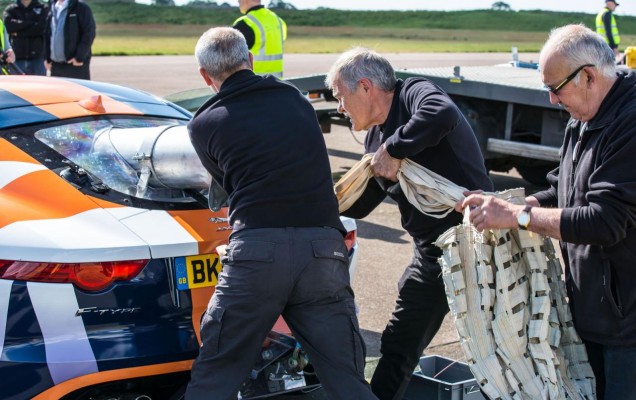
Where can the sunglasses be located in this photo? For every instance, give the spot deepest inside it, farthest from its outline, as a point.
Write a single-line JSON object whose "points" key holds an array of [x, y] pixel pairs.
{"points": [[555, 90]]}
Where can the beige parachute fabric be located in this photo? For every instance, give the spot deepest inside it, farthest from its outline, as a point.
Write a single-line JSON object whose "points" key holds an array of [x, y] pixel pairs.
{"points": [[505, 292], [430, 193], [351, 185], [508, 300]]}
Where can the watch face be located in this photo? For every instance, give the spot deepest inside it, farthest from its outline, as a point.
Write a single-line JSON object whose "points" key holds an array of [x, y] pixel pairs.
{"points": [[523, 219]]}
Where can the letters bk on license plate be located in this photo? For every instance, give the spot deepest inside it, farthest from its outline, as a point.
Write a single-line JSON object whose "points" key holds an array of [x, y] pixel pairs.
{"points": [[197, 271]]}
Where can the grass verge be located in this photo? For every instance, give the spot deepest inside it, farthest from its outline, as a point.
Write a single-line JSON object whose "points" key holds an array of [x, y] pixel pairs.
{"points": [[124, 39]]}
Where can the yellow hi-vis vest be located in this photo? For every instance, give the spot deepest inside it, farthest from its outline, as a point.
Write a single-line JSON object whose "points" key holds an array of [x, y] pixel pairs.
{"points": [[600, 27], [269, 33], [1, 35]]}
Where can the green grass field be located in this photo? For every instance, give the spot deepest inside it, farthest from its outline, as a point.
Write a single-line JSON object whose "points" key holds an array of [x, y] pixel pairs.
{"points": [[137, 29], [124, 39]]}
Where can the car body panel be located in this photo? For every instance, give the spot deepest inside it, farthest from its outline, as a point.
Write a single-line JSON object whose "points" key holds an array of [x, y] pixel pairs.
{"points": [[64, 388], [125, 233]]}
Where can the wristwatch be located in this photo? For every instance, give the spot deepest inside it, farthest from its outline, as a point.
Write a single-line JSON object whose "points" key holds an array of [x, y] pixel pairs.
{"points": [[523, 219]]}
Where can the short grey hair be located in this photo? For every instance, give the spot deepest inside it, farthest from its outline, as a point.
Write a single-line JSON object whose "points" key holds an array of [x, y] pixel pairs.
{"points": [[579, 45], [359, 63], [221, 52]]}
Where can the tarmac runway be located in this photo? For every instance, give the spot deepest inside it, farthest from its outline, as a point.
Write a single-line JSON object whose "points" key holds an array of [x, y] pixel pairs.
{"points": [[385, 249], [164, 75]]}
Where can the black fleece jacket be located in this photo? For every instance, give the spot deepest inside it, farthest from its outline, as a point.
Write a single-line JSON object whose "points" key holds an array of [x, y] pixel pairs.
{"points": [[425, 126], [598, 225], [260, 139], [25, 26]]}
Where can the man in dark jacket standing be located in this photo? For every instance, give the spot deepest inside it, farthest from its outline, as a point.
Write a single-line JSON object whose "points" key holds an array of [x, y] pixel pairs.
{"points": [[412, 119], [25, 21], [69, 37], [591, 204], [261, 141]]}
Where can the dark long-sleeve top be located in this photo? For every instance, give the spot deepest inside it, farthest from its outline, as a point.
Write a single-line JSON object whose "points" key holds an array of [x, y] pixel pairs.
{"points": [[260, 139], [425, 126], [598, 223]]}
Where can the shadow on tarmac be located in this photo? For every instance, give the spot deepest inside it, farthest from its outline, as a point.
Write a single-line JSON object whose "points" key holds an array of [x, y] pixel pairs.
{"points": [[370, 230]]}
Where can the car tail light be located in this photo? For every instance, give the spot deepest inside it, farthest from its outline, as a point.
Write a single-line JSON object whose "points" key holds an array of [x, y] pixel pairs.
{"points": [[92, 276], [350, 239]]}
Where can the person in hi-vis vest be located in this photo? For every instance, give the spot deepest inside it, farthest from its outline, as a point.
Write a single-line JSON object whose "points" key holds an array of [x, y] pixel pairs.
{"points": [[606, 27], [265, 33], [6, 52]]}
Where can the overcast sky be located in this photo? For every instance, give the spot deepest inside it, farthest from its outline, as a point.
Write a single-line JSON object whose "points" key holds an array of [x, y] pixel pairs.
{"points": [[626, 7]]}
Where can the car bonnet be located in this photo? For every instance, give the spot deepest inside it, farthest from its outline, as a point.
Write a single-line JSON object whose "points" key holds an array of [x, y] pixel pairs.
{"points": [[34, 99]]}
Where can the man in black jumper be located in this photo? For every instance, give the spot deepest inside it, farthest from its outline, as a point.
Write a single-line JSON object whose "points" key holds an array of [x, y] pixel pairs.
{"points": [[260, 139], [412, 119], [591, 203]]}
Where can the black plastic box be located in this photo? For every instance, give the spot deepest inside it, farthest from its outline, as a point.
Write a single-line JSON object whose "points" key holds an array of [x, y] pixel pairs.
{"points": [[434, 382]]}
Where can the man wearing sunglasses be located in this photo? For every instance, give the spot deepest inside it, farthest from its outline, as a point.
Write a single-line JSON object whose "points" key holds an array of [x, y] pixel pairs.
{"points": [[591, 204]]}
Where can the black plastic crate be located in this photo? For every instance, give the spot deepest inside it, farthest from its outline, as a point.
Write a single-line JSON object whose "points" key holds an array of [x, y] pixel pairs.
{"points": [[437, 379]]}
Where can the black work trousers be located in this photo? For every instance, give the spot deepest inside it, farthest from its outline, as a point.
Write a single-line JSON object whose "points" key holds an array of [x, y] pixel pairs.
{"points": [[419, 311], [301, 273], [614, 370]]}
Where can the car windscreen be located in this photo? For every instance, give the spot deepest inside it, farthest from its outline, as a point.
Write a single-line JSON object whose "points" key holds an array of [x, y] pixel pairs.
{"points": [[146, 158]]}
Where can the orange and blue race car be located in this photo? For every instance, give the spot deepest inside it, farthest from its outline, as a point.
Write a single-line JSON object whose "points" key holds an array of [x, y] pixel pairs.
{"points": [[108, 248]]}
